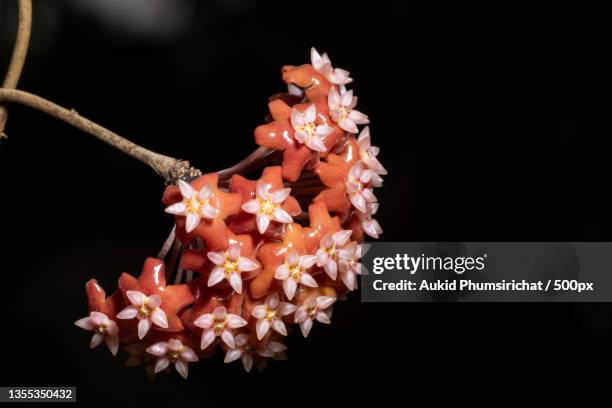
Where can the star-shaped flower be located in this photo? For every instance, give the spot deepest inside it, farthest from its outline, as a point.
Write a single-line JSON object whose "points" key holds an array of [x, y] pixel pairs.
{"points": [[272, 181], [219, 324], [172, 351], [327, 254], [350, 264], [294, 272], [267, 206], [342, 110], [195, 205], [322, 64], [334, 173], [146, 309], [242, 351], [279, 134], [368, 153], [270, 314], [212, 231], [358, 186], [229, 265], [271, 255], [104, 329], [152, 282], [313, 308], [307, 132]]}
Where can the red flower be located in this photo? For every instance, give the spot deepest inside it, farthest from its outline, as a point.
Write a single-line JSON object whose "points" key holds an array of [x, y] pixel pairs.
{"points": [[213, 231], [151, 282], [279, 135]]}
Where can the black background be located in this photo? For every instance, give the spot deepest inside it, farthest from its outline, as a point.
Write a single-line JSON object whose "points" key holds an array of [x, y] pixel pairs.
{"points": [[494, 125]]}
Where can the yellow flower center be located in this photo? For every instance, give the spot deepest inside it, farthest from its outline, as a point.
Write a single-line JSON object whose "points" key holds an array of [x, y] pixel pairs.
{"points": [[266, 207], [218, 327]]}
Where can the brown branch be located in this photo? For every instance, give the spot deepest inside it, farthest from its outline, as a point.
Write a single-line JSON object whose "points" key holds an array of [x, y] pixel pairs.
{"points": [[20, 51], [169, 168]]}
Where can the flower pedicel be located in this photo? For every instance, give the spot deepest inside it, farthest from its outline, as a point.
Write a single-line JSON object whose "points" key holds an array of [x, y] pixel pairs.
{"points": [[252, 260]]}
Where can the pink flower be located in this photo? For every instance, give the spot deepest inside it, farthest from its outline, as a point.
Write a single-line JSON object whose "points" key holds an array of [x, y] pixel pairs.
{"points": [[327, 254], [195, 205], [359, 186], [293, 272], [307, 131], [219, 324], [242, 351], [146, 309], [172, 351], [267, 206], [350, 264], [270, 314], [368, 153], [314, 308], [322, 64], [229, 265], [369, 225], [341, 109], [104, 330]]}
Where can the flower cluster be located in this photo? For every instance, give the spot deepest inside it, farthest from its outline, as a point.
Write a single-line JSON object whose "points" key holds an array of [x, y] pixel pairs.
{"points": [[252, 259]]}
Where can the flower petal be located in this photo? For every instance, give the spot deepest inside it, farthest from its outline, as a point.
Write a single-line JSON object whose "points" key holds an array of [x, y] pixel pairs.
{"points": [[192, 221], [260, 311], [280, 195], [263, 221], [286, 308], [289, 286], [112, 342], [283, 216], [315, 143], [322, 317], [85, 323], [209, 212], [208, 336], [228, 338], [186, 190], [341, 237], [331, 268], [96, 340], [232, 355], [153, 301], [235, 282], [305, 326], [279, 327], [161, 364], [251, 207], [218, 258], [348, 125], [282, 272], [262, 326], [310, 114], [158, 349], [247, 362], [182, 367], [205, 192], [306, 279], [188, 354], [179, 208], [159, 318], [247, 265], [235, 321], [144, 325], [129, 312], [307, 261], [216, 276], [205, 321], [136, 298]]}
